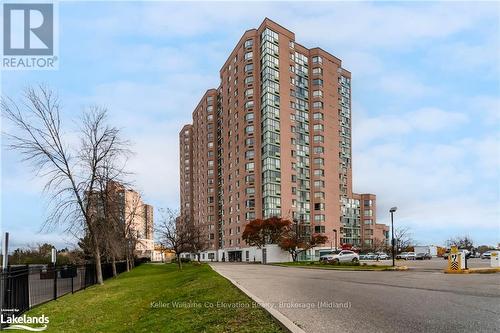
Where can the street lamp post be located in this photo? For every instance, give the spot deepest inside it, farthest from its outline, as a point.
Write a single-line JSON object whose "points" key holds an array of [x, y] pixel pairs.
{"points": [[392, 210], [335, 236]]}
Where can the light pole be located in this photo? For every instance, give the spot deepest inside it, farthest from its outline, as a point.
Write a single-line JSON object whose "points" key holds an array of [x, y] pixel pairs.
{"points": [[335, 236], [392, 210]]}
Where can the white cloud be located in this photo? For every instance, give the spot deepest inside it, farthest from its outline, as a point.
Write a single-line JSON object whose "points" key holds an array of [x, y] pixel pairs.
{"points": [[403, 85], [436, 186], [429, 119]]}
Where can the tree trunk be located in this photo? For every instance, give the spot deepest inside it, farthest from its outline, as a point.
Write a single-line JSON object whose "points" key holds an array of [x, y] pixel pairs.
{"points": [[179, 262], [113, 265], [97, 257], [98, 268]]}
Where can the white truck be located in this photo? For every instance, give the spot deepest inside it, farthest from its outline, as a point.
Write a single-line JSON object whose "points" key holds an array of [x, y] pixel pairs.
{"points": [[430, 249]]}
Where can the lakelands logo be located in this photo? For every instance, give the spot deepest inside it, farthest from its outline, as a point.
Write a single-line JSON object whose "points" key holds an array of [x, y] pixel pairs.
{"points": [[25, 323], [29, 36]]}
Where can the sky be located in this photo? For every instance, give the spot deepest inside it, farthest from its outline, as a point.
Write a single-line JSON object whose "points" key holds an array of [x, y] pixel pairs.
{"points": [[425, 91]]}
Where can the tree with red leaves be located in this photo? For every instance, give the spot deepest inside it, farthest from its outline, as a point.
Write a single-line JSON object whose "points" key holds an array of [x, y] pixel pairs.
{"points": [[260, 232], [297, 238]]}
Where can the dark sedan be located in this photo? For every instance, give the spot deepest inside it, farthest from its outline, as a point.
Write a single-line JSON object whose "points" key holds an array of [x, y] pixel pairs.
{"points": [[423, 256]]}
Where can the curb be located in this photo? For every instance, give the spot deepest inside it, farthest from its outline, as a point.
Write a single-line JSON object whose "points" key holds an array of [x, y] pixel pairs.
{"points": [[280, 318], [475, 271]]}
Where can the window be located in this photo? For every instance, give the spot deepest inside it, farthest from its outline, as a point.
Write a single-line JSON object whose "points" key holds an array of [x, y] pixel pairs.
{"points": [[318, 116], [249, 104], [318, 150], [317, 105], [319, 218], [249, 93], [249, 178], [317, 60], [249, 116], [318, 127], [319, 161], [250, 203], [368, 212], [249, 129], [319, 229], [368, 222], [248, 55], [317, 93], [248, 68], [317, 71], [319, 172], [248, 43], [250, 190], [317, 82], [319, 206], [249, 142], [319, 195], [250, 154], [368, 203], [250, 166], [319, 183], [319, 138], [249, 80]]}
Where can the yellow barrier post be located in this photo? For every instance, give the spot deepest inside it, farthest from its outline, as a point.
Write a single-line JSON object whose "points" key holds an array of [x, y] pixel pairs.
{"points": [[456, 263]]}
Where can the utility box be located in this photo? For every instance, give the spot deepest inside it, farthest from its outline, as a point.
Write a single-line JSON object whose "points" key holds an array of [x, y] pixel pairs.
{"points": [[495, 260], [456, 260]]}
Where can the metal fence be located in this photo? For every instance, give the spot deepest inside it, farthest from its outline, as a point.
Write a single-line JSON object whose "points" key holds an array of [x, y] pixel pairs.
{"points": [[26, 286]]}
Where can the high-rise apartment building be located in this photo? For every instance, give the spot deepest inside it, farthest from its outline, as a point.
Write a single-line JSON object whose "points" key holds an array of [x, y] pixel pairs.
{"points": [[274, 139], [125, 206]]}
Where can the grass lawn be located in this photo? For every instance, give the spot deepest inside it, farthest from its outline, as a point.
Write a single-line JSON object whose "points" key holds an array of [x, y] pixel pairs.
{"points": [[341, 267], [124, 304]]}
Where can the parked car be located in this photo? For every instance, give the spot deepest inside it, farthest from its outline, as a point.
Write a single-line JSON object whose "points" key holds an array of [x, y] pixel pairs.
{"points": [[401, 255], [410, 256], [363, 256], [423, 256], [382, 256], [406, 256], [340, 256], [486, 255]]}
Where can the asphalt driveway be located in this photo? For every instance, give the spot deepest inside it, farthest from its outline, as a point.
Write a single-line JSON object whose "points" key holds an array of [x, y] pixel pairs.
{"points": [[344, 301]]}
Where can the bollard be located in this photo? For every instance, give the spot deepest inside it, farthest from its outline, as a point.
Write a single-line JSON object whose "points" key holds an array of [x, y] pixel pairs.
{"points": [[495, 259]]}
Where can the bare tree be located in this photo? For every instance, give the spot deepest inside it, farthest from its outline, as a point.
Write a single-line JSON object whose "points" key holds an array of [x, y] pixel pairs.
{"points": [[198, 240], [462, 242], [176, 236], [379, 245], [403, 238], [70, 170]]}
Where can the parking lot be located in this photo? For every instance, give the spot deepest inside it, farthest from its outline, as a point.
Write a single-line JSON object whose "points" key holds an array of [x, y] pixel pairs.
{"points": [[434, 264]]}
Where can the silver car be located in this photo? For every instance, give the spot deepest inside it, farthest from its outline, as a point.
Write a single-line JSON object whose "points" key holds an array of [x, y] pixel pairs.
{"points": [[340, 256]]}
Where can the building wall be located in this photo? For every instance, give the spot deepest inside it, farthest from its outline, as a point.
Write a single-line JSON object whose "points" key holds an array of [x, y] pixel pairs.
{"points": [[136, 215], [186, 174], [281, 142]]}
